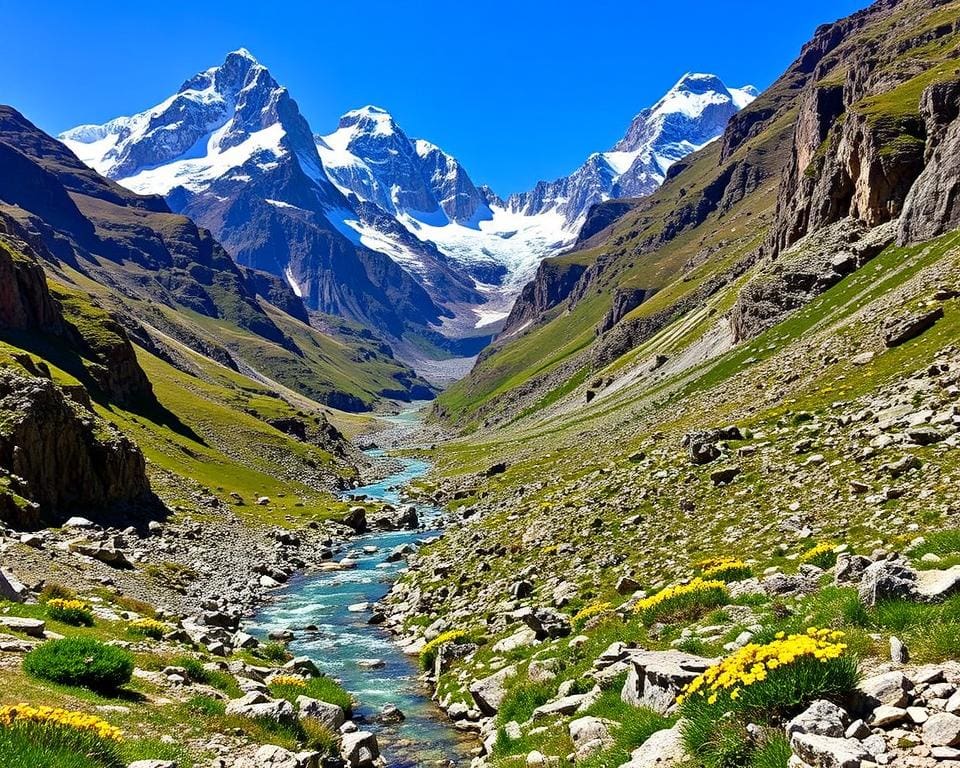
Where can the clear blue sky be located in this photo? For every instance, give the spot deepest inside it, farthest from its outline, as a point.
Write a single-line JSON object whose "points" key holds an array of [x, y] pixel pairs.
{"points": [[518, 90]]}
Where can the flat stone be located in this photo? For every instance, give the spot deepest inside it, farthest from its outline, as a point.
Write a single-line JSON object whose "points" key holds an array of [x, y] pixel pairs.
{"points": [[938, 585], [563, 706], [30, 627], [828, 751], [884, 716]]}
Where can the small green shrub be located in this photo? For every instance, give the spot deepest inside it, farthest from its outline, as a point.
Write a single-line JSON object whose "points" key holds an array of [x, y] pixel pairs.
{"points": [[774, 752], [206, 705], [318, 737], [81, 661], [276, 652], [222, 681]]}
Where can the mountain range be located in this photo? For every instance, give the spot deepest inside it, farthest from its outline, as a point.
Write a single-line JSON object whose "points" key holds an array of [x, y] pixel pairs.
{"points": [[365, 222]]}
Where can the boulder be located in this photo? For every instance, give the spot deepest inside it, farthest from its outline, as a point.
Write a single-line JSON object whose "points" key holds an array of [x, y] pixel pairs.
{"points": [[271, 756], [900, 330], [490, 691], [356, 518], [822, 718], [664, 749], [887, 580], [546, 623], [828, 751], [656, 678], [359, 749], [256, 704], [890, 689], [10, 588], [724, 475], [565, 705], [937, 585], [30, 627], [590, 735], [329, 715], [942, 729]]}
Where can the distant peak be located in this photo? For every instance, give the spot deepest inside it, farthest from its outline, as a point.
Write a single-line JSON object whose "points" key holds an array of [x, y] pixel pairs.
{"points": [[750, 90], [699, 82], [243, 53], [370, 119]]}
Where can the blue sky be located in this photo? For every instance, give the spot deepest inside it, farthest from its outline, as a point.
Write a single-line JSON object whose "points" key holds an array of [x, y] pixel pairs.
{"points": [[518, 91]]}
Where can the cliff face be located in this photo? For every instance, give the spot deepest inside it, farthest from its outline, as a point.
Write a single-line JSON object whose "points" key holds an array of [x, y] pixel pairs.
{"points": [[552, 285], [876, 112], [933, 205], [56, 453]]}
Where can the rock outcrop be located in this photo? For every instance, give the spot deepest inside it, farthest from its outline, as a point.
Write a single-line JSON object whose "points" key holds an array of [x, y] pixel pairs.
{"points": [[58, 454]]}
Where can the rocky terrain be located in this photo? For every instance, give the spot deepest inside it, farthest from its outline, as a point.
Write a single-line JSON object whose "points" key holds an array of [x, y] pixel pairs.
{"points": [[700, 499]]}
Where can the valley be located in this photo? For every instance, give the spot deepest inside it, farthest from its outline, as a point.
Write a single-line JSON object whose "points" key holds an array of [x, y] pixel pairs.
{"points": [[315, 452]]}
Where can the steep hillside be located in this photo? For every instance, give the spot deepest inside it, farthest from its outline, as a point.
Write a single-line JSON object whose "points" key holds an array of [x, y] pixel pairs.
{"points": [[848, 151]]}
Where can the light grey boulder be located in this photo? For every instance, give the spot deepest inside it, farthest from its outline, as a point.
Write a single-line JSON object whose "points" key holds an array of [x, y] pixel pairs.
{"points": [[11, 588], [890, 689], [328, 715], [823, 718], [489, 692], [590, 735], [256, 704], [664, 749], [359, 749], [942, 729], [828, 751], [656, 678]]}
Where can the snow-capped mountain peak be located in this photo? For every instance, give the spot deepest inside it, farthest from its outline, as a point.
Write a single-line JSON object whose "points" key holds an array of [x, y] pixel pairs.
{"points": [[689, 116], [370, 156]]}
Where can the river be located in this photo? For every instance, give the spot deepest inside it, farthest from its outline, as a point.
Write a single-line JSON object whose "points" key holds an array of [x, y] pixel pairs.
{"points": [[345, 638]]}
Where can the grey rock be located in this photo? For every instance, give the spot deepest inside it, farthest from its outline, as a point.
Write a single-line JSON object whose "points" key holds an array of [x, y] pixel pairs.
{"points": [[942, 729], [664, 749], [329, 715], [828, 751], [655, 678], [887, 580], [490, 691], [889, 689], [30, 627], [359, 749], [11, 588], [823, 718], [256, 704]]}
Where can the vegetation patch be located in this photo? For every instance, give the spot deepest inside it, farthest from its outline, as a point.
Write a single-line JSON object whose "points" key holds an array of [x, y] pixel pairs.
{"points": [[47, 737], [82, 662], [682, 601], [74, 612]]}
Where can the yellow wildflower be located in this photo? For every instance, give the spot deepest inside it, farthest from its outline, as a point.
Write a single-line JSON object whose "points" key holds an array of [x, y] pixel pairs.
{"points": [[78, 721]]}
